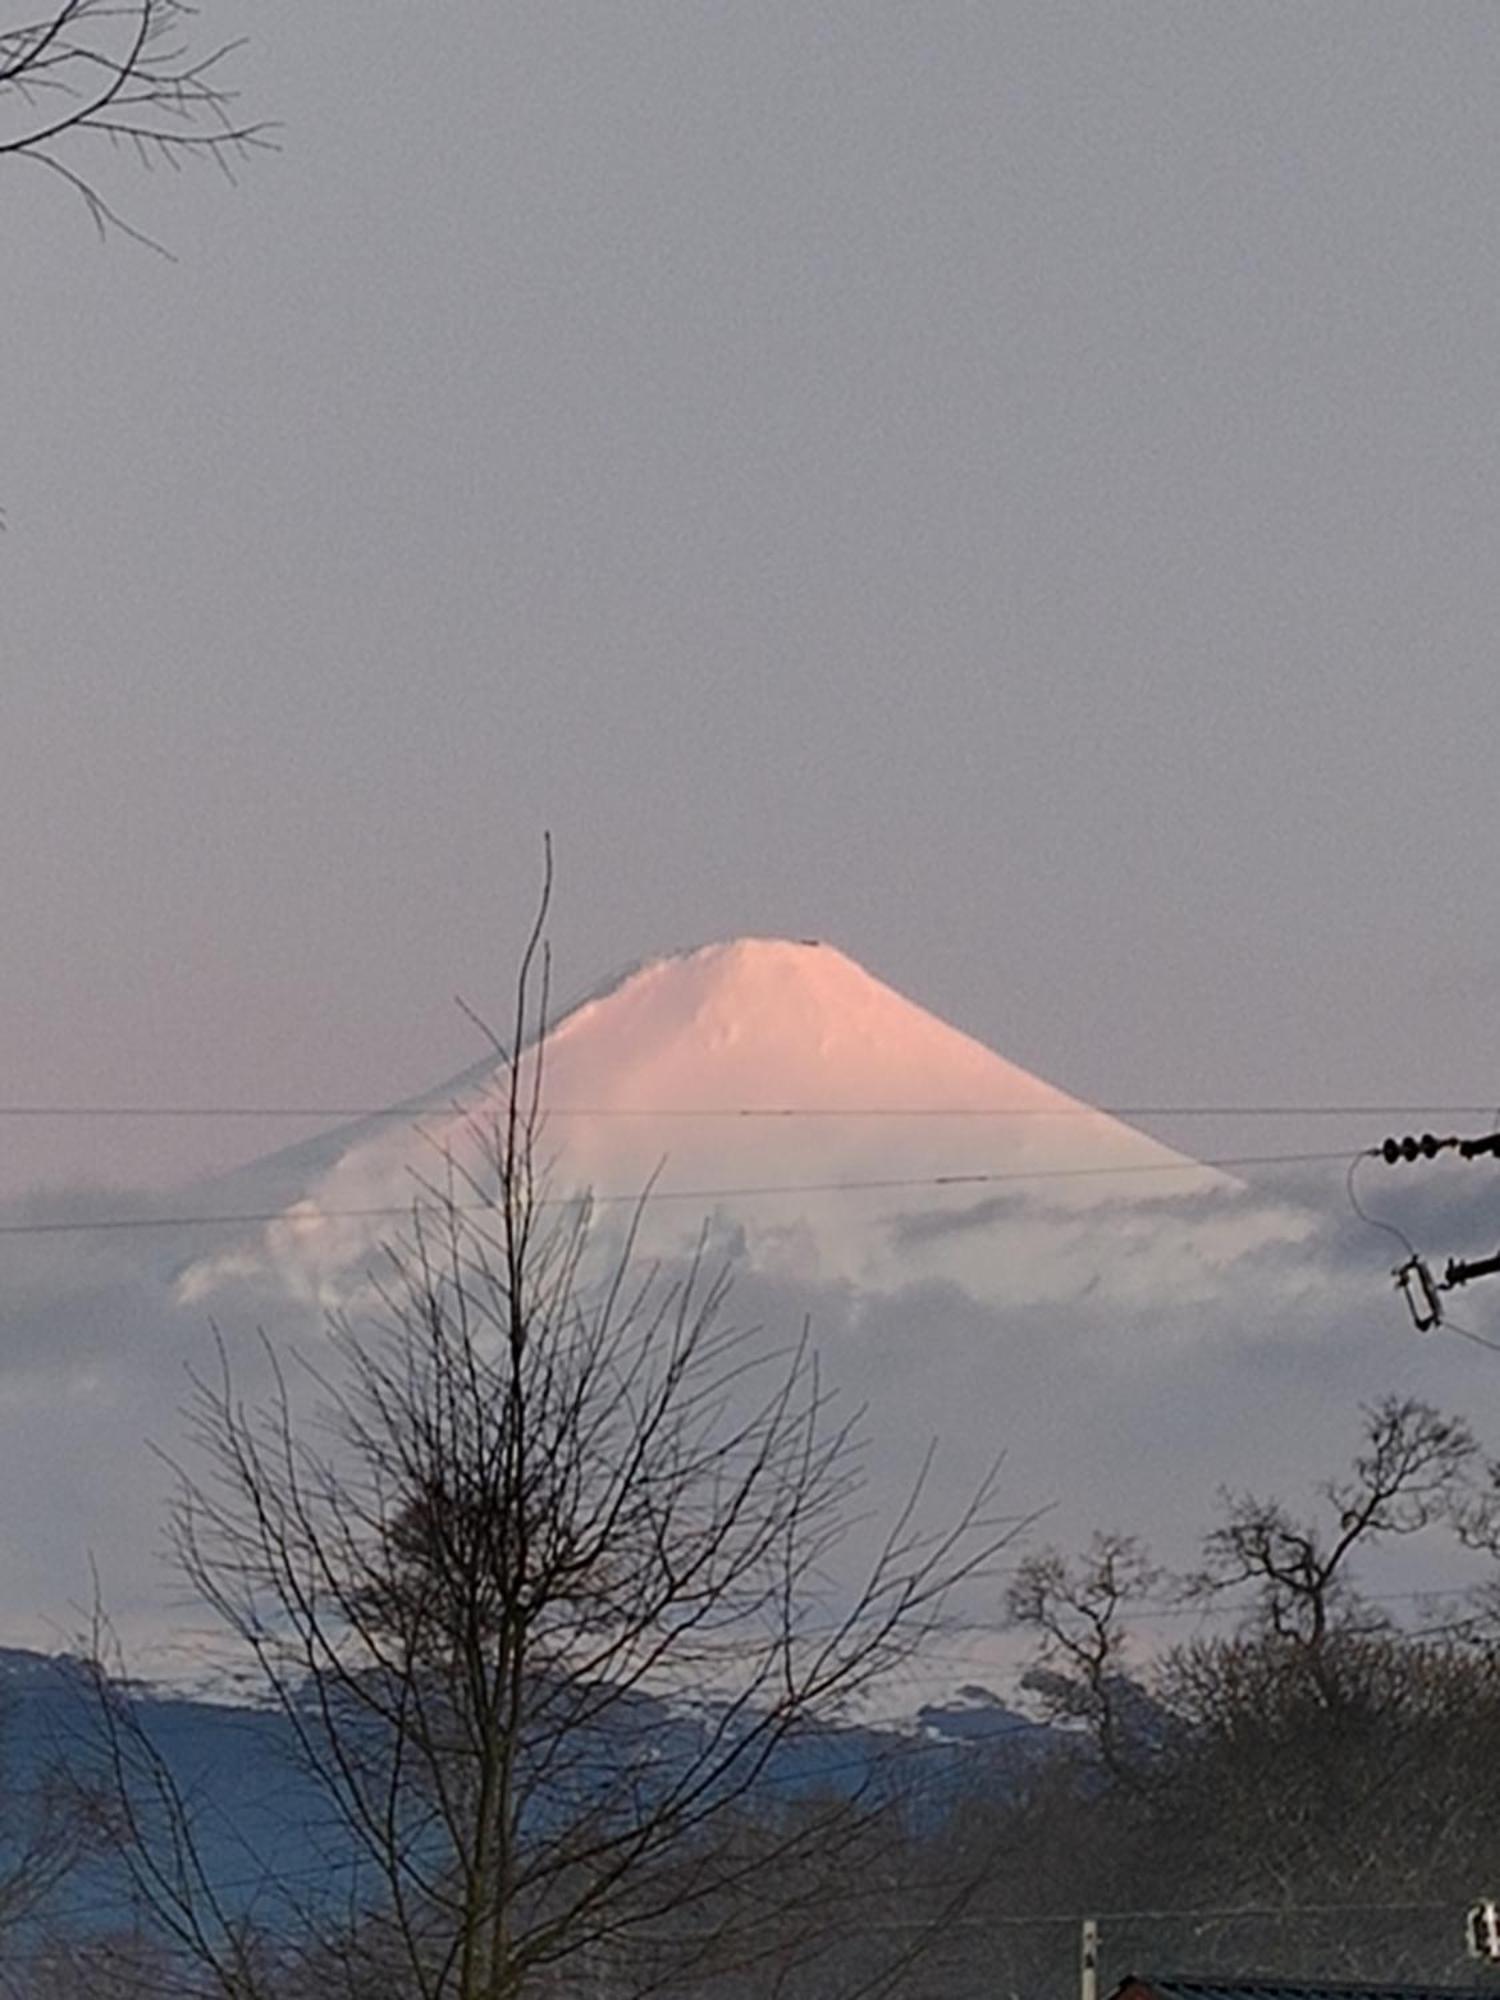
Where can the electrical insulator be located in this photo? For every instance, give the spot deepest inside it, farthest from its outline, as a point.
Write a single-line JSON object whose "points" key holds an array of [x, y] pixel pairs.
{"points": [[1482, 1930], [1426, 1148], [1415, 1283]]}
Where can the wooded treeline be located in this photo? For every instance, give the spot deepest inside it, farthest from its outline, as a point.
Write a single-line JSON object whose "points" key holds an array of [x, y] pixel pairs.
{"points": [[1308, 1784], [1322, 1762]]}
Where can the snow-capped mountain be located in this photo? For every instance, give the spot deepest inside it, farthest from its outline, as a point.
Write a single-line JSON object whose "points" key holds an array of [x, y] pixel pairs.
{"points": [[830, 1129], [982, 1259]]}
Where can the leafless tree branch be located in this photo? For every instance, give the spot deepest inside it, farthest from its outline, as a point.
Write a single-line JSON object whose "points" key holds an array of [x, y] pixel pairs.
{"points": [[123, 74]]}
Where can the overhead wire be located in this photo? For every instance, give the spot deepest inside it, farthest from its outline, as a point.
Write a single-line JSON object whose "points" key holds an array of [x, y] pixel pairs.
{"points": [[460, 1107], [112, 1224], [272, 1879], [1364, 1215], [301, 1216], [1450, 1325]]}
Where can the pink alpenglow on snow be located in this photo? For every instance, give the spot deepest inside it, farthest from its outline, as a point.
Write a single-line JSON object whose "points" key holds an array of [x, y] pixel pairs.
{"points": [[758, 1083]]}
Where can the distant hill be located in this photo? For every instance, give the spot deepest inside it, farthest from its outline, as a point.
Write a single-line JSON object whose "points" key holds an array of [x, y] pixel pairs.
{"points": [[260, 1820]]}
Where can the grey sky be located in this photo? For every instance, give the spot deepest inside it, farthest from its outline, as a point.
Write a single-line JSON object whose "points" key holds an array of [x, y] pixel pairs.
{"points": [[1009, 488]]}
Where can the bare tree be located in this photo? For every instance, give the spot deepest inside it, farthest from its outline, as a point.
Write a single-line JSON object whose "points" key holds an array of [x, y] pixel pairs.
{"points": [[51, 1825], [125, 74], [1265, 1781], [86, 1962], [1412, 1473], [541, 1589], [47, 1829], [1078, 1612]]}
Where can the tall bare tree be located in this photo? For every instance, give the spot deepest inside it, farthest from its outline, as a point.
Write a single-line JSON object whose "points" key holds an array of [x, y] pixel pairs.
{"points": [[542, 1591]]}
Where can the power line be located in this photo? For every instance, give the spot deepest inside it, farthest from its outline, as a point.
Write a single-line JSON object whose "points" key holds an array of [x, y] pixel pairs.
{"points": [[271, 1879], [1225, 1914], [762, 1191], [460, 1108]]}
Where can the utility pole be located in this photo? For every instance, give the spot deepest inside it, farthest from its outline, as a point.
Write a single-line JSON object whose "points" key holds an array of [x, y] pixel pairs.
{"points": [[1414, 1279], [1088, 1960]]}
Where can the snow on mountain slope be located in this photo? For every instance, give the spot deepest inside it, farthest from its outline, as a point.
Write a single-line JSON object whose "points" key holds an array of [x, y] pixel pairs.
{"points": [[751, 1082]]}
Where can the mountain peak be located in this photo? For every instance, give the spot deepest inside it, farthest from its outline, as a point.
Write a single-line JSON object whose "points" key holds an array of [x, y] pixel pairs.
{"points": [[762, 1023], [829, 1126]]}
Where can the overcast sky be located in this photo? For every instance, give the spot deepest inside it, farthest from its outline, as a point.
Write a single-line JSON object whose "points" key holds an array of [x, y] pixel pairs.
{"points": [[1009, 488]]}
